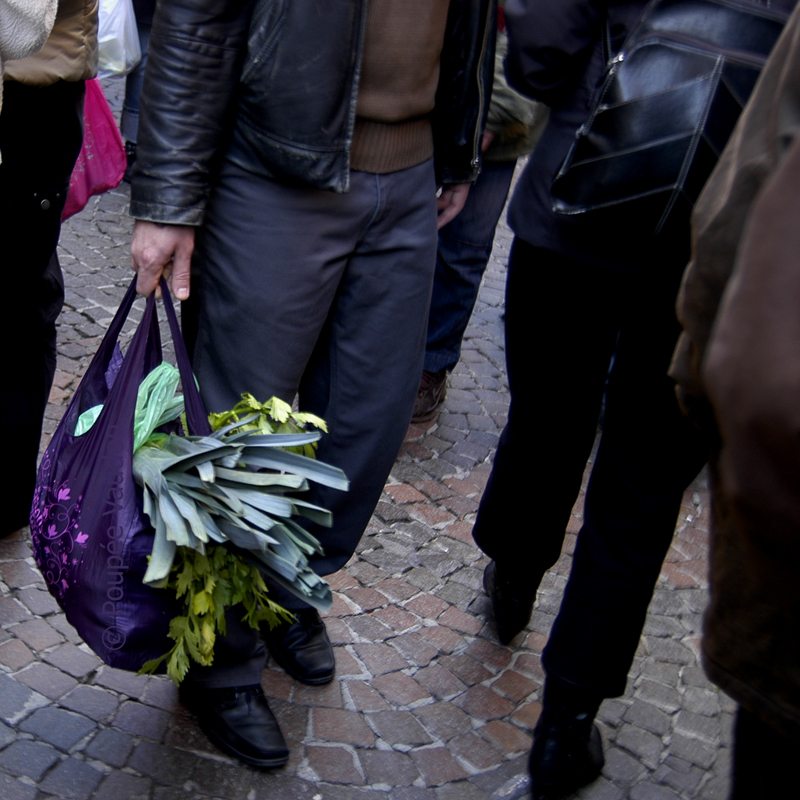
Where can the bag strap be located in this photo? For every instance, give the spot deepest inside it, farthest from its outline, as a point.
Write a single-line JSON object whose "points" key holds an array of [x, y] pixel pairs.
{"points": [[196, 415]]}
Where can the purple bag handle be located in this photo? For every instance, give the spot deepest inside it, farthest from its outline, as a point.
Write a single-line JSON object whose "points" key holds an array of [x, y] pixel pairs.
{"points": [[147, 337], [196, 415]]}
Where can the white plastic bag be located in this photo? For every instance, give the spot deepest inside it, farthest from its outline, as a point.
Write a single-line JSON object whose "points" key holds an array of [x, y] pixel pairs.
{"points": [[118, 38]]}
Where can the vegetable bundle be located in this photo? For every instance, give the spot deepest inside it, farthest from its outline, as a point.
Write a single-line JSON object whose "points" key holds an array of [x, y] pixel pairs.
{"points": [[224, 511]]}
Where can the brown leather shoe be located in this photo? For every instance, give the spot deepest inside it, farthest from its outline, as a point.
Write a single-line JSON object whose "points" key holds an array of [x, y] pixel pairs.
{"points": [[430, 395]]}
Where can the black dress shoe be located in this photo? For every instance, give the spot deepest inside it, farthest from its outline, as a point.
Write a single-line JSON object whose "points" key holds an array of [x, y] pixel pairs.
{"points": [[564, 757], [302, 647], [239, 722], [512, 601]]}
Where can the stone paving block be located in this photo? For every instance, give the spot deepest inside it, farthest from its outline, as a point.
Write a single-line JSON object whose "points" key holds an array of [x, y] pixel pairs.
{"points": [[388, 768], [399, 729], [664, 697], [364, 698], [697, 727], [682, 777], [118, 680], [45, 680], [411, 793], [466, 668], [437, 766], [11, 789], [693, 751], [648, 717], [460, 790], [379, 658], [455, 594], [16, 700], [111, 747], [474, 753], [121, 785], [335, 764], [649, 791], [59, 623], [7, 735], [445, 639], [345, 727], [464, 623], [644, 745], [366, 599], [514, 685], [16, 574], [507, 738], [490, 653], [483, 703], [439, 562], [142, 720], [439, 682], [391, 563], [37, 634], [396, 590], [444, 721], [57, 727], [612, 711], [703, 701], [166, 765], [161, 693], [328, 696], [346, 665], [38, 601], [602, 789], [527, 715], [427, 606], [399, 689], [72, 780], [72, 660], [368, 629], [470, 578], [415, 648], [96, 703], [15, 655], [29, 759], [621, 766], [230, 781]]}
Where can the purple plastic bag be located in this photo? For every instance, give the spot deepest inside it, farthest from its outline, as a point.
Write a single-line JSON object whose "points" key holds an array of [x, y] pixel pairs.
{"points": [[90, 536]]}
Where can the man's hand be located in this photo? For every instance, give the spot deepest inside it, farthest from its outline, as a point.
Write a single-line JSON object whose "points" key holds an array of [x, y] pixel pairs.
{"points": [[158, 250], [451, 201]]}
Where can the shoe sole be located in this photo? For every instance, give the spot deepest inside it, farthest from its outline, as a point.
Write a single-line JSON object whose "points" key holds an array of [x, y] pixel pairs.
{"points": [[226, 747]]}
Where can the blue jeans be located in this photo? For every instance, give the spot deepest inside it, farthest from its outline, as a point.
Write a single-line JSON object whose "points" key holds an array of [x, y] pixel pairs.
{"points": [[465, 246], [129, 122]]}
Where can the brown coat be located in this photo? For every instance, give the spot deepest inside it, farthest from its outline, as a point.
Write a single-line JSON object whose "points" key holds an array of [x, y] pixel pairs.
{"points": [[738, 369]]}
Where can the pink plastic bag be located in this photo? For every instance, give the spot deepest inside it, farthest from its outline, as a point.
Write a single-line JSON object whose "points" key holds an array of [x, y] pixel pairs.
{"points": [[101, 163]]}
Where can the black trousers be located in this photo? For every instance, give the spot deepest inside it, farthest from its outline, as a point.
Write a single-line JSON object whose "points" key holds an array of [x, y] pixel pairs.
{"points": [[565, 321], [41, 129]]}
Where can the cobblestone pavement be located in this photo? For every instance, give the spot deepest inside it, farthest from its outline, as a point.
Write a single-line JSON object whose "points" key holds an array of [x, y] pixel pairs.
{"points": [[426, 703]]}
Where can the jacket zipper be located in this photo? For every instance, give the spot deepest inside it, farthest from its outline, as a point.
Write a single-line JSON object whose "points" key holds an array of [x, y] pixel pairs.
{"points": [[481, 98]]}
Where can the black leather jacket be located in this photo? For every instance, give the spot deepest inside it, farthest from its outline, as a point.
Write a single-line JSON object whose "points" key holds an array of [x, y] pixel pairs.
{"points": [[273, 84]]}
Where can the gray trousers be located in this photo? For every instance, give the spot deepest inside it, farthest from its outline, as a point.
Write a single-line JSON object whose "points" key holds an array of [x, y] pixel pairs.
{"points": [[303, 290]]}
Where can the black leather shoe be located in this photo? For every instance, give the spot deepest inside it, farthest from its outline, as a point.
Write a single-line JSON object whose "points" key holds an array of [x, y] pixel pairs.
{"points": [[302, 648], [239, 721], [564, 757], [512, 601]]}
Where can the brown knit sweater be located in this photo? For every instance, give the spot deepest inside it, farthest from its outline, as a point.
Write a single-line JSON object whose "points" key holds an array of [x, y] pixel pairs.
{"points": [[399, 76]]}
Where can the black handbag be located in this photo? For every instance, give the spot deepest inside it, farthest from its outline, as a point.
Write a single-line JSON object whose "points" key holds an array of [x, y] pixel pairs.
{"points": [[666, 108]]}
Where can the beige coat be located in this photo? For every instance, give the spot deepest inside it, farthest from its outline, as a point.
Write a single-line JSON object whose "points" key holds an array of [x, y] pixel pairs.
{"points": [[738, 369], [24, 27], [70, 53]]}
